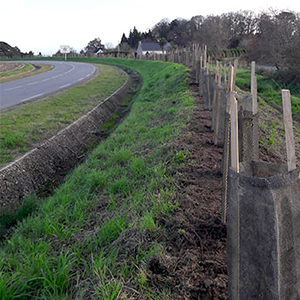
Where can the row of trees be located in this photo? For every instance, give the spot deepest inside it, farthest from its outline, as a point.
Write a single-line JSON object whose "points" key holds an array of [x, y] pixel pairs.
{"points": [[9, 52], [134, 37], [271, 37]]}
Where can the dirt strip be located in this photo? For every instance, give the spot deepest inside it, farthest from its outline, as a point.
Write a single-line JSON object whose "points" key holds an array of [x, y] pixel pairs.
{"points": [[194, 266]]}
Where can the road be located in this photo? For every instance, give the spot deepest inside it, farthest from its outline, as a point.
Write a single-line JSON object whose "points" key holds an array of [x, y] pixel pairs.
{"points": [[64, 76]]}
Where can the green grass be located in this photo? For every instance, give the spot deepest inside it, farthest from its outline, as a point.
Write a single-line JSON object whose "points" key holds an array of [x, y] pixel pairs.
{"points": [[95, 235], [28, 67], [268, 89], [27, 72], [22, 128]]}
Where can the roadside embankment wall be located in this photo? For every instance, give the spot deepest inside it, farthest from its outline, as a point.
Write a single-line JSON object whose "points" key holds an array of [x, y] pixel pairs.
{"points": [[39, 167]]}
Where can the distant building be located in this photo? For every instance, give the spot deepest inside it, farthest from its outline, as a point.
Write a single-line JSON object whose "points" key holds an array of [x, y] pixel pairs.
{"points": [[168, 47], [98, 51], [149, 48]]}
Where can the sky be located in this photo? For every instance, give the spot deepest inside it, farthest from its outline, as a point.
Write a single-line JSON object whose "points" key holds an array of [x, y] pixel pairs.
{"points": [[44, 25]]}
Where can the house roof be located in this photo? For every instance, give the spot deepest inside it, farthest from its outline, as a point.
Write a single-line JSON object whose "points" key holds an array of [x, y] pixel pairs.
{"points": [[98, 50], [168, 47], [151, 47]]}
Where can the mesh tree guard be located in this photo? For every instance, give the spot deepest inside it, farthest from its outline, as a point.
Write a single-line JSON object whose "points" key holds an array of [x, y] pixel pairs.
{"points": [[263, 232]]}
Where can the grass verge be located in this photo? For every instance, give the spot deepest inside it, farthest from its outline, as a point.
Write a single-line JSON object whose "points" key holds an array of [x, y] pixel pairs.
{"points": [[26, 126], [271, 122], [95, 236], [26, 68], [268, 89], [29, 70]]}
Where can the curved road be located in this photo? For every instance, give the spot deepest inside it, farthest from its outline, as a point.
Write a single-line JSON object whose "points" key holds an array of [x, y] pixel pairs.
{"points": [[62, 77]]}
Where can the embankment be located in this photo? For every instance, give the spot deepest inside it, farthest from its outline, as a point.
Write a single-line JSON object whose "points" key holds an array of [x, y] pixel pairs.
{"points": [[39, 168]]}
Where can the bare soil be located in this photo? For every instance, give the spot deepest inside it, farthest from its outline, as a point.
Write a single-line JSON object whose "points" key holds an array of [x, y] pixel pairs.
{"points": [[194, 266], [11, 67], [196, 257]]}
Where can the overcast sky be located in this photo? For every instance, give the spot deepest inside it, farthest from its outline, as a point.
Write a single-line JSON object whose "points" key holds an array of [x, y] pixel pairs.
{"points": [[44, 25]]}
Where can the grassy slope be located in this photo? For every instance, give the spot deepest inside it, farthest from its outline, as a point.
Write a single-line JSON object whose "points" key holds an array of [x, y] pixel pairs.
{"points": [[268, 89], [271, 124], [26, 68], [25, 126], [96, 234], [28, 71]]}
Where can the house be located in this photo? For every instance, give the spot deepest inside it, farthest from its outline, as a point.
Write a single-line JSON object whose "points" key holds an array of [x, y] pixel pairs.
{"points": [[98, 51], [168, 47], [149, 48]]}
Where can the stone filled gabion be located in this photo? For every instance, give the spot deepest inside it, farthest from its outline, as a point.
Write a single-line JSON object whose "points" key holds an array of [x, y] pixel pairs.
{"points": [[37, 168]]}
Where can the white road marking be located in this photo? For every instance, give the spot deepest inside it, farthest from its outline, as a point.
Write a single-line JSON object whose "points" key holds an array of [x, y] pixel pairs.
{"points": [[32, 83], [57, 76], [14, 88], [69, 70], [63, 86], [35, 96], [47, 79]]}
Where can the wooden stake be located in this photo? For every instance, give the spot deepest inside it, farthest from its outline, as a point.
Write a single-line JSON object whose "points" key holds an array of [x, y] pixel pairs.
{"points": [[220, 75], [236, 61], [254, 96], [252, 76], [230, 75], [253, 88], [234, 143], [217, 71], [288, 125], [205, 56], [208, 88], [231, 79], [217, 112]]}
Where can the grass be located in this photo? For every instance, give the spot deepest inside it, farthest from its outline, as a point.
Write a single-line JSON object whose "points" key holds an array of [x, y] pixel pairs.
{"points": [[95, 235], [26, 126], [27, 67], [272, 131], [268, 89], [29, 70]]}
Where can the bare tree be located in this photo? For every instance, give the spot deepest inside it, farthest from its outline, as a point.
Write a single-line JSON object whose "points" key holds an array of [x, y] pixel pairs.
{"points": [[109, 46], [291, 57], [180, 32], [161, 29], [276, 31], [94, 45], [240, 27], [214, 34]]}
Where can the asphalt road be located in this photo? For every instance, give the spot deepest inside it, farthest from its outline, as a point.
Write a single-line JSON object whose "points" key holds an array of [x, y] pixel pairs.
{"points": [[64, 76]]}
